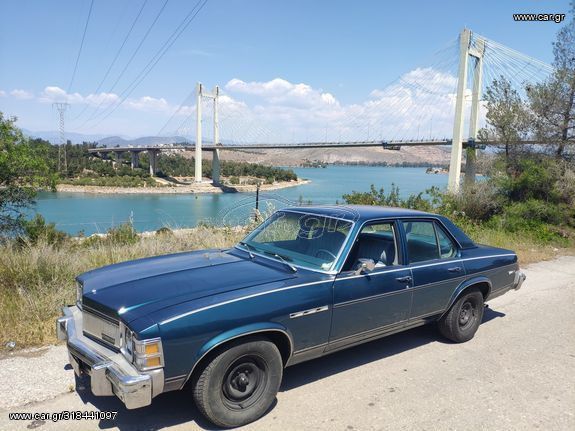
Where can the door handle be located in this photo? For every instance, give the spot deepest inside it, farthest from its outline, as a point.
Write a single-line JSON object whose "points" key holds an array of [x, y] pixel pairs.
{"points": [[406, 279], [454, 269]]}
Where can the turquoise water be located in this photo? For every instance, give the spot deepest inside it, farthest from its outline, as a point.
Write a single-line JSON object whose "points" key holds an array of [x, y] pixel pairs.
{"points": [[75, 212]]}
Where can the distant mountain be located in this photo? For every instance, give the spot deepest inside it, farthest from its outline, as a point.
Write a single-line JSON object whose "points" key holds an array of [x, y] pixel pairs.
{"points": [[106, 140], [145, 141], [54, 136]]}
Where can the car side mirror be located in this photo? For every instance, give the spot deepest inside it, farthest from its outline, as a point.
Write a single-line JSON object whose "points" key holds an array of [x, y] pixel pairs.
{"points": [[365, 266]]}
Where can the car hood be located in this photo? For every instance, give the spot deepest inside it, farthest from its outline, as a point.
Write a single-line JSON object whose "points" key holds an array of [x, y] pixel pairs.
{"points": [[135, 288]]}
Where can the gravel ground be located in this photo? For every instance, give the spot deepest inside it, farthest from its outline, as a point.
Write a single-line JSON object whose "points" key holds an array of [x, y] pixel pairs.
{"points": [[34, 375], [518, 373]]}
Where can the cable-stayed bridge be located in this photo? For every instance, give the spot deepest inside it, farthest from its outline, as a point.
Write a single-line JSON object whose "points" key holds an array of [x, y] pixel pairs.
{"points": [[440, 104]]}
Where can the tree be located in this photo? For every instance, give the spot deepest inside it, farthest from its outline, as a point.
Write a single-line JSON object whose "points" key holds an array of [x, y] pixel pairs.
{"points": [[508, 119], [22, 172], [553, 101]]}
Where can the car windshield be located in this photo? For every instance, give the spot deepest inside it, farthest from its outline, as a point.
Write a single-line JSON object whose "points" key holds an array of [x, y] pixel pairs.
{"points": [[299, 239]]}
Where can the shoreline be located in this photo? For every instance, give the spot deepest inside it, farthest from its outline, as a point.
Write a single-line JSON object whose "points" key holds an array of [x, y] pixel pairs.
{"points": [[201, 188]]}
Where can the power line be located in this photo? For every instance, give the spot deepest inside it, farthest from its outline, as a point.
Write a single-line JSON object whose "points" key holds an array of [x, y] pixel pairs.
{"points": [[157, 57], [116, 56], [81, 46], [94, 113]]}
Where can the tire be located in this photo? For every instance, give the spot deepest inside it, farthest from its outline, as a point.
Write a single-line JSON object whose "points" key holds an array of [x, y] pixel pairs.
{"points": [[462, 320], [239, 384]]}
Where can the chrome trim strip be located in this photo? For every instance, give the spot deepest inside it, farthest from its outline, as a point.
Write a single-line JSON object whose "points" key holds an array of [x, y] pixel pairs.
{"points": [[370, 298], [170, 379], [239, 336], [307, 349], [254, 295], [308, 312], [407, 267], [375, 330]]}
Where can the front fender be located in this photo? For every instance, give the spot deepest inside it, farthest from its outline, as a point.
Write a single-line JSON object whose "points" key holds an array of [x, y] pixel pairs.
{"points": [[252, 328], [465, 285]]}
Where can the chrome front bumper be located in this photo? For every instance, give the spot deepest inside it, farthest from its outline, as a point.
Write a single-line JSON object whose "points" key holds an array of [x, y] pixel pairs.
{"points": [[519, 279], [110, 372]]}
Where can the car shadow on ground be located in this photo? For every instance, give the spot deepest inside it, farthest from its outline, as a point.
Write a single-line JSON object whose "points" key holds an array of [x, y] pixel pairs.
{"points": [[174, 408]]}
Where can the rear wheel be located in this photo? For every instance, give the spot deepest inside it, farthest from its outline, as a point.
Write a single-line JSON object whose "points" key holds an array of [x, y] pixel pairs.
{"points": [[462, 320], [240, 383]]}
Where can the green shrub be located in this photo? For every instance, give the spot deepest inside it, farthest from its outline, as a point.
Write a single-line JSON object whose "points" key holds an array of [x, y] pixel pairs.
{"points": [[234, 180], [379, 197], [38, 230], [122, 234], [478, 202], [164, 230], [531, 178]]}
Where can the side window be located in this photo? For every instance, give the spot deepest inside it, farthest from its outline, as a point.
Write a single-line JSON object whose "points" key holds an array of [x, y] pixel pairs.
{"points": [[421, 241], [427, 241], [377, 242], [446, 247]]}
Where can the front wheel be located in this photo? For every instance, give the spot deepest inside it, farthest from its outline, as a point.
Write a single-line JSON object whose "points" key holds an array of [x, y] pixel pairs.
{"points": [[462, 320], [240, 383]]}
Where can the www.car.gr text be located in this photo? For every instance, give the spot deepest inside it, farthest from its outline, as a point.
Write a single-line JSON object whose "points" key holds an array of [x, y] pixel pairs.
{"points": [[554, 17], [66, 415]]}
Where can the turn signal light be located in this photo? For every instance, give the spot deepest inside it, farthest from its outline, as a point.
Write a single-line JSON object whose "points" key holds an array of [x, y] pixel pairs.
{"points": [[152, 348]]}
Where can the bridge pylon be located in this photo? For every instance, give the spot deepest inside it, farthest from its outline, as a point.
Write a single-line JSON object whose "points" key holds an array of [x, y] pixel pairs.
{"points": [[202, 93], [466, 50]]}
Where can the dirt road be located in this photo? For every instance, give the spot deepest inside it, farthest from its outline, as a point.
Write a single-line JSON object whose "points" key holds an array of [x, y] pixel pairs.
{"points": [[517, 374]]}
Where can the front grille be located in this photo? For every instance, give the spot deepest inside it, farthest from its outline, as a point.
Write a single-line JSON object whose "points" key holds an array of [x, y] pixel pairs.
{"points": [[101, 327]]}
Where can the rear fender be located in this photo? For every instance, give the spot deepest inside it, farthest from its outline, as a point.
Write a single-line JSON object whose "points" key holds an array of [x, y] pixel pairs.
{"points": [[465, 285]]}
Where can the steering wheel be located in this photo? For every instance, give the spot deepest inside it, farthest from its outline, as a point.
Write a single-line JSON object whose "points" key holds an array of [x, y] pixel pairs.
{"points": [[323, 250]]}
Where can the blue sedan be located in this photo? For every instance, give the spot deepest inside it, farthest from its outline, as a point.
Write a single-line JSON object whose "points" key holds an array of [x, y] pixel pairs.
{"points": [[307, 282]]}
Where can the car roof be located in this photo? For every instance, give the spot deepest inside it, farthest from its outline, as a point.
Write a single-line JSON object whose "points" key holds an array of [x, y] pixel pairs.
{"points": [[364, 213], [359, 213]]}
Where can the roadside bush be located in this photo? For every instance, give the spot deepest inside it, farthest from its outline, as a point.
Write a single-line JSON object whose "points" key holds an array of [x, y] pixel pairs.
{"points": [[531, 178], [565, 185], [478, 202], [37, 229], [164, 230], [123, 234], [391, 199]]}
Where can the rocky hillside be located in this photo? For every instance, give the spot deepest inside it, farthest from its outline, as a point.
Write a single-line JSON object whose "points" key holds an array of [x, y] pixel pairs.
{"points": [[436, 155]]}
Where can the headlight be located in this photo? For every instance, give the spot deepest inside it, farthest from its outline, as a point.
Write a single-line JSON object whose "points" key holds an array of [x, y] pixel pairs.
{"points": [[144, 354], [79, 293]]}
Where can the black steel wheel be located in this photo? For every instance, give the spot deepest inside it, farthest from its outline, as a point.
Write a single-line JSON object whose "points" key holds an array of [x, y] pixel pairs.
{"points": [[462, 320], [240, 382]]}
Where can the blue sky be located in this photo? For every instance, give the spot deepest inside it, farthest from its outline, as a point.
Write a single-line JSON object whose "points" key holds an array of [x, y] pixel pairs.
{"points": [[338, 52]]}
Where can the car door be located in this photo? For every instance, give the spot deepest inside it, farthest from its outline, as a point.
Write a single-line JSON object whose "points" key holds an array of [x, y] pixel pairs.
{"points": [[366, 304], [436, 266]]}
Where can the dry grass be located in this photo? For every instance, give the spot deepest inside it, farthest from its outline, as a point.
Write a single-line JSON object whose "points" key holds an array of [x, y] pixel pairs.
{"points": [[529, 249], [37, 280]]}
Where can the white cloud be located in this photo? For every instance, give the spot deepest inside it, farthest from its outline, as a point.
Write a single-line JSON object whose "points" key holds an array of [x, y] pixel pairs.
{"points": [[148, 103], [21, 94], [53, 94], [418, 105], [2, 93]]}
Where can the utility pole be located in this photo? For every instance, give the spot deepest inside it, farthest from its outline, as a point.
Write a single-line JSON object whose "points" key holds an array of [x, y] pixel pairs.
{"points": [[62, 107]]}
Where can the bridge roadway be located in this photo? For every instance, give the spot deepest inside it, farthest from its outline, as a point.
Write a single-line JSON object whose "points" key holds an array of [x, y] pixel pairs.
{"points": [[153, 151]]}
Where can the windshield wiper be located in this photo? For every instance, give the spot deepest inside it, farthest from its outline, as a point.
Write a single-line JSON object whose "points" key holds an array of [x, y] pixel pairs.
{"points": [[249, 247], [284, 260]]}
